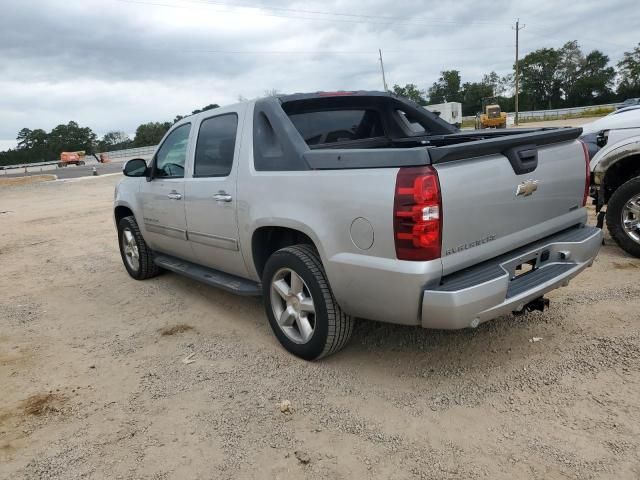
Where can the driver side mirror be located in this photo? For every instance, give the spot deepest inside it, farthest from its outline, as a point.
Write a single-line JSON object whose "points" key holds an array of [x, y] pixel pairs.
{"points": [[136, 167]]}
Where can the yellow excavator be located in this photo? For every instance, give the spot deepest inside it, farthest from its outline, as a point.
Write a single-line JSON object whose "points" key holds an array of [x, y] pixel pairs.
{"points": [[491, 115]]}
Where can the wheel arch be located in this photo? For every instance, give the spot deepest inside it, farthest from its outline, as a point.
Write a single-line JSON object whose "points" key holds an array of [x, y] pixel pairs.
{"points": [[121, 211], [619, 168], [267, 239]]}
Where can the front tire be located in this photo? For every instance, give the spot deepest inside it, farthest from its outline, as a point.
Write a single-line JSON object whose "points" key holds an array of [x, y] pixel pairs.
{"points": [[623, 216], [302, 311], [136, 255]]}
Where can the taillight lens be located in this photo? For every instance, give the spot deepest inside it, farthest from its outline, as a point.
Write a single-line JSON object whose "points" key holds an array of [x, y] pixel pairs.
{"points": [[417, 214], [587, 181]]}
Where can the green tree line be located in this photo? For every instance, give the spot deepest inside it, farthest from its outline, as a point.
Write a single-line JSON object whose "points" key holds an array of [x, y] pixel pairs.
{"points": [[40, 146], [549, 78]]}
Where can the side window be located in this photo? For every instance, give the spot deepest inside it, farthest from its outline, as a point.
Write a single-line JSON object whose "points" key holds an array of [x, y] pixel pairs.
{"points": [[172, 155], [215, 146]]}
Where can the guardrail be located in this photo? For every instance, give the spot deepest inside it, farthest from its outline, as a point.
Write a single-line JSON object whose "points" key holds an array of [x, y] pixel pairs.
{"points": [[28, 165], [555, 113], [115, 156], [129, 153]]}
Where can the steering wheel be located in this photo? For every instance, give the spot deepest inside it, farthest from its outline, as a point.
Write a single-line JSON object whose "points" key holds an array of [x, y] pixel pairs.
{"points": [[168, 167]]}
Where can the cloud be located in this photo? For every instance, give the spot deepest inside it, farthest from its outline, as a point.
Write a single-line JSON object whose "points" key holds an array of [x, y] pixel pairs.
{"points": [[112, 64]]}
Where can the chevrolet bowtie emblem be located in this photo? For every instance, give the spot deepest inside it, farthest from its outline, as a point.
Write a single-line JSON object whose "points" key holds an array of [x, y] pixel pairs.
{"points": [[527, 188]]}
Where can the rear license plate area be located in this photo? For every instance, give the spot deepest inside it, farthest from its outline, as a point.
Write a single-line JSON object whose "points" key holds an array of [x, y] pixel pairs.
{"points": [[524, 268]]}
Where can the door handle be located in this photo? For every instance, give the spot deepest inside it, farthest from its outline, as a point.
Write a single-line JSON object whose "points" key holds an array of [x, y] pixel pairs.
{"points": [[222, 197], [174, 195]]}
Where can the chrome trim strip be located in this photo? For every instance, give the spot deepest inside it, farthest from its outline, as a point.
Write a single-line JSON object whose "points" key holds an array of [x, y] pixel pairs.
{"points": [[213, 240], [165, 230]]}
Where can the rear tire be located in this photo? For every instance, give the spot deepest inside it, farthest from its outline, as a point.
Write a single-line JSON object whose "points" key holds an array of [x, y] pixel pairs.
{"points": [[623, 216], [136, 255], [302, 311]]}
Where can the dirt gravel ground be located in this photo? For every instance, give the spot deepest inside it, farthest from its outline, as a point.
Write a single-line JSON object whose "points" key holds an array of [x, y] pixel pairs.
{"points": [[96, 379]]}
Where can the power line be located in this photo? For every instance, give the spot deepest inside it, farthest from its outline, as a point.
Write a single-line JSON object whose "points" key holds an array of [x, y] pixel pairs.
{"points": [[549, 32], [352, 18], [341, 14], [262, 11], [285, 52]]}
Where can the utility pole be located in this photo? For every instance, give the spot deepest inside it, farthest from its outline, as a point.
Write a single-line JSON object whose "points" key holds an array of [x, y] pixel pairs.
{"points": [[384, 80], [517, 29]]}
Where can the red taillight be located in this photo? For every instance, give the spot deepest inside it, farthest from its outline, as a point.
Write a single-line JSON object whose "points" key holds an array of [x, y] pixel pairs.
{"points": [[587, 181], [417, 214]]}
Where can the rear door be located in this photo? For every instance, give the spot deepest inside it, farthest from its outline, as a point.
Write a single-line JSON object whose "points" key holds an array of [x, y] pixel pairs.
{"points": [[210, 193], [162, 198]]}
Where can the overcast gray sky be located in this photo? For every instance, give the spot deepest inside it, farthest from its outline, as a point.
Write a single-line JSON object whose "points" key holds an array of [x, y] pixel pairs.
{"points": [[113, 64]]}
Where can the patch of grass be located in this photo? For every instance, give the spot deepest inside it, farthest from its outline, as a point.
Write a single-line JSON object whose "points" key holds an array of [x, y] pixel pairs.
{"points": [[4, 416], [13, 181], [180, 328], [42, 403], [589, 112], [625, 265]]}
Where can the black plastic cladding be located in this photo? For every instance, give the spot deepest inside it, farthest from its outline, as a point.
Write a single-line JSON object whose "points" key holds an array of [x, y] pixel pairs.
{"points": [[502, 143], [278, 146]]}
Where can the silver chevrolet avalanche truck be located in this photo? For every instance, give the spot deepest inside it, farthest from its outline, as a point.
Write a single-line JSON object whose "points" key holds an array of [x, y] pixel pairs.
{"points": [[336, 205]]}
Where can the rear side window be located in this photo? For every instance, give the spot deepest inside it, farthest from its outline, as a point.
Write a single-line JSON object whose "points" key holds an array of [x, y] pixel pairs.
{"points": [[215, 146], [333, 126]]}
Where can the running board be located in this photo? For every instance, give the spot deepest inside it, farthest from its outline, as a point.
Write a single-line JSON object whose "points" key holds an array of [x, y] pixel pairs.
{"points": [[215, 278]]}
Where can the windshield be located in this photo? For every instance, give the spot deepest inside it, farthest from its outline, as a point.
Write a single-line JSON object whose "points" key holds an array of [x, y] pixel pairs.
{"points": [[493, 111]]}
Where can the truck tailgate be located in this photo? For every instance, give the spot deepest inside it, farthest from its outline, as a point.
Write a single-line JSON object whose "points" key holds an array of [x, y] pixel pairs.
{"points": [[489, 209]]}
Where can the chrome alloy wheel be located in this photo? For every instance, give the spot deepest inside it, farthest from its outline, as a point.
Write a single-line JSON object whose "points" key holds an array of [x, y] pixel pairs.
{"points": [[293, 306], [631, 218], [130, 249]]}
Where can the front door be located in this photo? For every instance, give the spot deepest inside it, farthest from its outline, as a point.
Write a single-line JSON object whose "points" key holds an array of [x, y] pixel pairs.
{"points": [[162, 197], [211, 195]]}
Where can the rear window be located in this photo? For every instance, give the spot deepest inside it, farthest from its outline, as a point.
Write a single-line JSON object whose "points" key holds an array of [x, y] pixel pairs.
{"points": [[412, 123], [333, 126]]}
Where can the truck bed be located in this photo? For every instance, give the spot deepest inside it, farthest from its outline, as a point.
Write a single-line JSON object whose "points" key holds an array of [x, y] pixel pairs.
{"points": [[428, 150]]}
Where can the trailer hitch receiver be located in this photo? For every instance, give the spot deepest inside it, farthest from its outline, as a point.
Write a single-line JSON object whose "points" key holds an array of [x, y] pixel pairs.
{"points": [[540, 304]]}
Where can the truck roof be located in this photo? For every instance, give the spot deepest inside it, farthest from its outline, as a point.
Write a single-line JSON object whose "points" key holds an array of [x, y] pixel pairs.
{"points": [[341, 99], [338, 93]]}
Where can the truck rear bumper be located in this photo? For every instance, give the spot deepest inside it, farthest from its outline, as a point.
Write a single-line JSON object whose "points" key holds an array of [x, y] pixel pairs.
{"points": [[491, 289]]}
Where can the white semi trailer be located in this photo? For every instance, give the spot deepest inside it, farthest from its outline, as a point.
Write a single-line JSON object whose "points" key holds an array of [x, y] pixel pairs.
{"points": [[450, 112]]}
